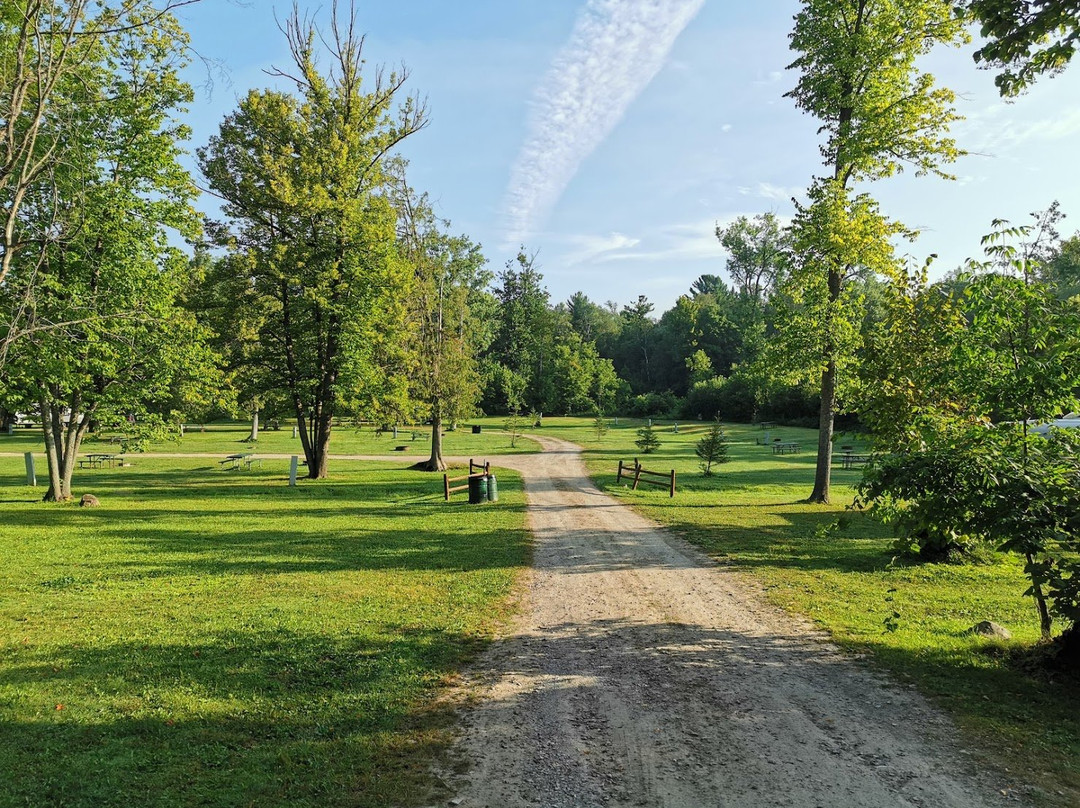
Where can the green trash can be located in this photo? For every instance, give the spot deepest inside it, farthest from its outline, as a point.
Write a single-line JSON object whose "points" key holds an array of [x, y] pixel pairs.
{"points": [[492, 489], [478, 489]]}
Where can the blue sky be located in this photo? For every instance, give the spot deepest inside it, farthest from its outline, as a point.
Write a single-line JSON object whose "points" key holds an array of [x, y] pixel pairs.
{"points": [[610, 136]]}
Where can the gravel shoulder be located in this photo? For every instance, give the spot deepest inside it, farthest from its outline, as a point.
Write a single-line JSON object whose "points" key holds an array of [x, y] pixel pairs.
{"points": [[639, 673]]}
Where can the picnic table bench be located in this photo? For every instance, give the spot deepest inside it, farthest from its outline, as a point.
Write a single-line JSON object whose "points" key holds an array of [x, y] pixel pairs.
{"points": [[785, 447], [234, 461]]}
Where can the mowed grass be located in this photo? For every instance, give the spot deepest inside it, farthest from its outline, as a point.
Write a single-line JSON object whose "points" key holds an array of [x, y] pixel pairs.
{"points": [[230, 437], [750, 516], [209, 637]]}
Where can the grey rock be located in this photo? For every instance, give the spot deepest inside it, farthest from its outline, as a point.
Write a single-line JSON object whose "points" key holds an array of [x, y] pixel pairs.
{"points": [[988, 628]]}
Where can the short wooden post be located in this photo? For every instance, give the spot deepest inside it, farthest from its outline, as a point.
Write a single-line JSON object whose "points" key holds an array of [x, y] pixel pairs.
{"points": [[31, 475], [446, 487], [181, 430], [395, 433], [675, 429], [637, 473], [293, 463], [294, 432], [672, 482]]}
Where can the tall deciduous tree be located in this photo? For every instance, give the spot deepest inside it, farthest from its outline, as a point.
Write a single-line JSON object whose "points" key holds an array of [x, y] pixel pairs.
{"points": [[304, 178], [47, 50], [879, 113], [104, 340], [448, 273], [757, 254]]}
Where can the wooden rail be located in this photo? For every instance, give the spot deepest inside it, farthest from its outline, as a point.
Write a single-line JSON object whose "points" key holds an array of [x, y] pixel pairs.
{"points": [[667, 477], [475, 470]]}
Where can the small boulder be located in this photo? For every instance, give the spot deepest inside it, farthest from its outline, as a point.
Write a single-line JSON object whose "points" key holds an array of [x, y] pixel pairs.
{"points": [[988, 628], [88, 501]]}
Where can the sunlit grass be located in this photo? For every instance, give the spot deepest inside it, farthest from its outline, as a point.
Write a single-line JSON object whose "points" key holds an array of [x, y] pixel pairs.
{"points": [[218, 638], [230, 437]]}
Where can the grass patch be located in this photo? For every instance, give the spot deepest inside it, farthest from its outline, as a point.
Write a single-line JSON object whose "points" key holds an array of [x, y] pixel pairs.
{"points": [[229, 437], [218, 638], [750, 516]]}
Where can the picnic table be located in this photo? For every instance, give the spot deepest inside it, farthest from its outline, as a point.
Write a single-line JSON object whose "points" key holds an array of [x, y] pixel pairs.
{"points": [[785, 447], [234, 461], [850, 460], [97, 460]]}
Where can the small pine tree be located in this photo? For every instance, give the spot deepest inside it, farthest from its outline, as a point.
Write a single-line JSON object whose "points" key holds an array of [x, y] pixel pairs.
{"points": [[647, 440], [712, 448]]}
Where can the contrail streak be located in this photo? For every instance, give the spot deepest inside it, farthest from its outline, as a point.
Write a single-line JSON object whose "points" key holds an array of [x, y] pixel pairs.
{"points": [[614, 51]]}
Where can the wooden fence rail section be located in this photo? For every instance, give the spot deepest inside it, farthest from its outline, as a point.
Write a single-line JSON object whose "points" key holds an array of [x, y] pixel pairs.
{"points": [[475, 470], [667, 477]]}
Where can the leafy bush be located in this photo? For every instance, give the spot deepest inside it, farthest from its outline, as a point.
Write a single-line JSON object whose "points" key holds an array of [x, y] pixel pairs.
{"points": [[999, 484], [731, 397], [653, 405]]}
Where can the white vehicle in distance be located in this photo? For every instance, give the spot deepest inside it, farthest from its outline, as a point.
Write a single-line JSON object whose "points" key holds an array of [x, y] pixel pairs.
{"points": [[1068, 421]]}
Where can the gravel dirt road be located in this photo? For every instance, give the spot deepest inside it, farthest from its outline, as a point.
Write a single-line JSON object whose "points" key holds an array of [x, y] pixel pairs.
{"points": [[639, 673]]}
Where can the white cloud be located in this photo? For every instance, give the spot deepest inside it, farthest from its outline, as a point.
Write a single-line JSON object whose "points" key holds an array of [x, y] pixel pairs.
{"points": [[766, 190], [727, 127], [689, 241], [590, 248], [998, 127], [614, 51]]}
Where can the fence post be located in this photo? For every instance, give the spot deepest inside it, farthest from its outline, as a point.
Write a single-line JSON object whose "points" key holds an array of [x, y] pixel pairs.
{"points": [[446, 486], [292, 469], [637, 473], [618, 478], [31, 475], [672, 482]]}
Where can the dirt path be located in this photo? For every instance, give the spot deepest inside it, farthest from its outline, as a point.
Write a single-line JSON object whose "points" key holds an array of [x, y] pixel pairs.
{"points": [[640, 674]]}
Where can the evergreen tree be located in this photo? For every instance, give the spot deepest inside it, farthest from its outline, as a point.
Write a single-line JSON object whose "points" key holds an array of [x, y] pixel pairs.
{"points": [[647, 439], [712, 449]]}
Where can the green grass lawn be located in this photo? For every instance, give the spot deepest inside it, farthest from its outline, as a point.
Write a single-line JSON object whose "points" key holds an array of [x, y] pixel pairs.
{"points": [[229, 437], [750, 516], [207, 637]]}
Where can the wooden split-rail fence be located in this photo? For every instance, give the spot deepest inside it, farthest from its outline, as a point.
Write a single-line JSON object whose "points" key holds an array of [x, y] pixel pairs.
{"points": [[475, 470], [667, 478]]}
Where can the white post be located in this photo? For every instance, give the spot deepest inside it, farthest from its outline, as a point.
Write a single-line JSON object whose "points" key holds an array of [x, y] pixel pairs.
{"points": [[616, 420], [31, 476], [181, 430], [675, 429], [292, 468], [294, 433]]}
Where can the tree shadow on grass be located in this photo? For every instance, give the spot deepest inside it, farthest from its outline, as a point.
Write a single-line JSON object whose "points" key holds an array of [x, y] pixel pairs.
{"points": [[270, 718]]}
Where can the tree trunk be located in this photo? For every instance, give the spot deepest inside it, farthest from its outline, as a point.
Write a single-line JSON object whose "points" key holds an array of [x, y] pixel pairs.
{"points": [[62, 443], [320, 446], [435, 462], [254, 436], [826, 420], [1045, 620]]}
